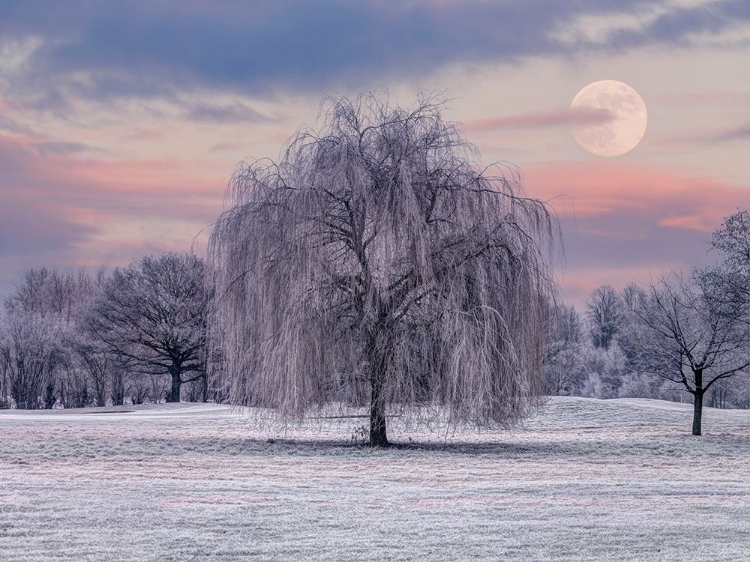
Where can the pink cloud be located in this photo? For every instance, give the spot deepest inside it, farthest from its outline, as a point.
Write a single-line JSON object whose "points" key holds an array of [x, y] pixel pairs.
{"points": [[665, 196], [135, 176], [228, 146], [63, 210], [693, 222], [576, 287], [141, 133], [123, 133], [541, 119], [624, 221], [736, 98]]}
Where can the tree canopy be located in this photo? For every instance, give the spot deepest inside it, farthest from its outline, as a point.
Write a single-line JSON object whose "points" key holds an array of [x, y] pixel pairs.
{"points": [[152, 313], [378, 263], [691, 335]]}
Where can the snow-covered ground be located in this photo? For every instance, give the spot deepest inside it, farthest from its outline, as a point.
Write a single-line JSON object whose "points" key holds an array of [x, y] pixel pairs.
{"points": [[584, 480]]}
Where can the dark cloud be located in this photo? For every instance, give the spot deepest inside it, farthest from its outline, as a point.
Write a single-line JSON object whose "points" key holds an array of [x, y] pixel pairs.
{"points": [[676, 27], [29, 227], [232, 113], [618, 249], [63, 148], [12, 126], [734, 133], [728, 134], [159, 48]]}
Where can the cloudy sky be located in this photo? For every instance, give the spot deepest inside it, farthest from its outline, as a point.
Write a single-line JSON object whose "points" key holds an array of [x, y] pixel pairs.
{"points": [[120, 122]]}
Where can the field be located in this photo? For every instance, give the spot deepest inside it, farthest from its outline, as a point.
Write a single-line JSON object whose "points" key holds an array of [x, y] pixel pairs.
{"points": [[584, 480]]}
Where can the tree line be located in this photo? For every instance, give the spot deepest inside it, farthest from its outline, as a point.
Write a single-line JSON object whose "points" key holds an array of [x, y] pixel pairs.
{"points": [[378, 265], [74, 339]]}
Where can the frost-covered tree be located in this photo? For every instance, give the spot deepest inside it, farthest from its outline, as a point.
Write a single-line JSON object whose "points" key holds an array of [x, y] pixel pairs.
{"points": [[731, 276], [30, 353], [732, 239], [692, 336], [564, 349], [52, 298], [103, 368], [603, 371], [378, 264], [632, 296], [152, 314], [605, 314], [53, 293]]}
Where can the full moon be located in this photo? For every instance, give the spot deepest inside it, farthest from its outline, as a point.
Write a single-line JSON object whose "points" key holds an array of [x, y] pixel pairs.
{"points": [[608, 118]]}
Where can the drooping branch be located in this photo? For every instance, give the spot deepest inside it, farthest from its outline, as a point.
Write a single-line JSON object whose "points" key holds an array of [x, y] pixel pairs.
{"points": [[382, 229]]}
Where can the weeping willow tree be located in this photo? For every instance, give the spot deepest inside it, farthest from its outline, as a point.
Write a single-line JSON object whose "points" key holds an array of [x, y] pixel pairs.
{"points": [[376, 264]]}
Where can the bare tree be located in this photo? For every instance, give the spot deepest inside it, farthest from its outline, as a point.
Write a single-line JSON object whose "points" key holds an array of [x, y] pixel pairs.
{"points": [[693, 337], [605, 313], [377, 263], [632, 296], [74, 388], [153, 314], [140, 390], [732, 238], [117, 380], [50, 292], [56, 297], [99, 365], [731, 277]]}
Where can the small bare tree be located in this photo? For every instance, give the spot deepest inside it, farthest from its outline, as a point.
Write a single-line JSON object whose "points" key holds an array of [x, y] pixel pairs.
{"points": [[692, 336], [377, 263], [153, 315]]}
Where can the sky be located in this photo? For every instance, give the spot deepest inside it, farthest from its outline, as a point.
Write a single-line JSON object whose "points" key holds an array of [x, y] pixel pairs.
{"points": [[121, 122]]}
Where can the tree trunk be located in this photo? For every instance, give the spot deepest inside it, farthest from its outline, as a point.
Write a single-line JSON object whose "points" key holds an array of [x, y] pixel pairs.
{"points": [[378, 436], [697, 411], [49, 397], [698, 401], [174, 395]]}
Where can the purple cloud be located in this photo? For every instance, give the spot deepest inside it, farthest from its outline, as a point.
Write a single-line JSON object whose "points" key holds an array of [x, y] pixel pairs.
{"points": [[63, 148], [727, 134], [142, 49], [232, 113]]}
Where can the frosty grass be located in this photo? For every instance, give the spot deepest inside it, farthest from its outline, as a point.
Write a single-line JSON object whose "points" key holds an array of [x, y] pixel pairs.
{"points": [[585, 479]]}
